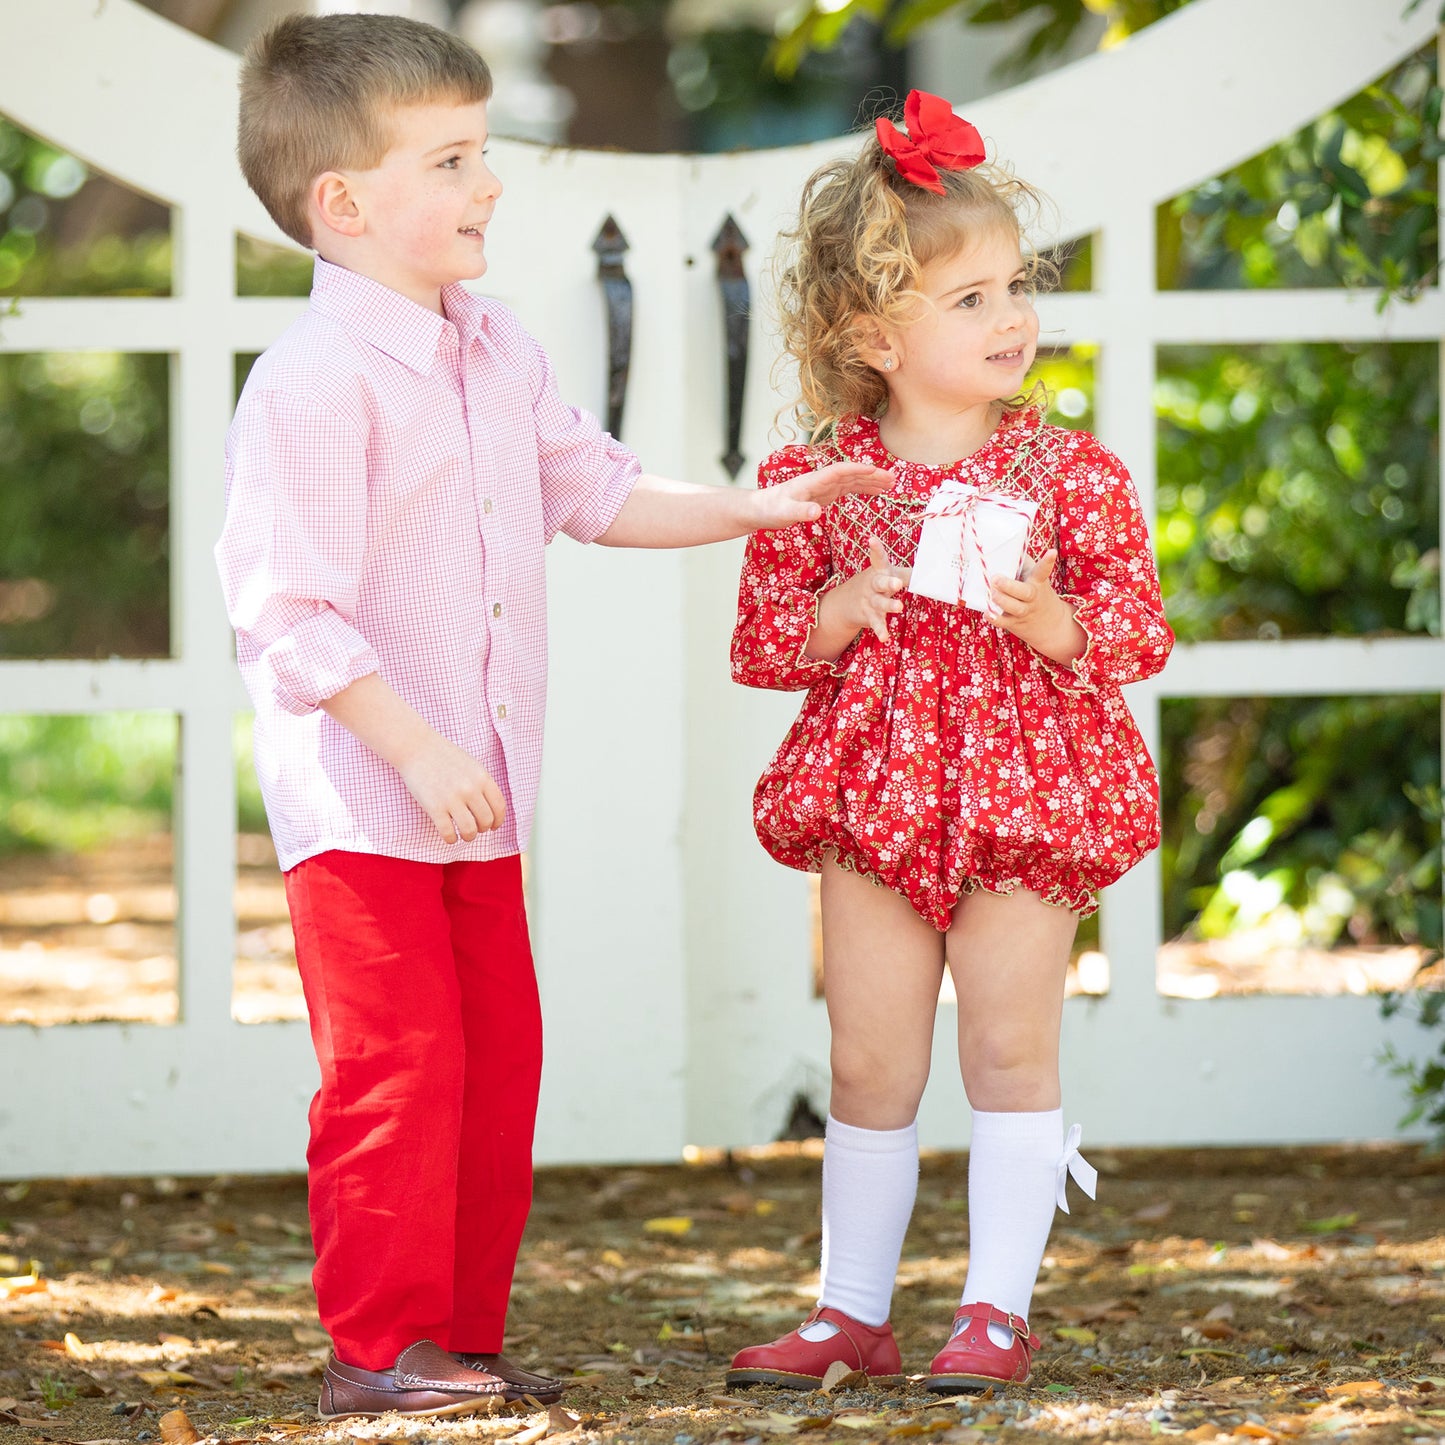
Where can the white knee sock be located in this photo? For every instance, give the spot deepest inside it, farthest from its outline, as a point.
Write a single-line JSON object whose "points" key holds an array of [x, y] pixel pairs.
{"points": [[870, 1178], [1013, 1170]]}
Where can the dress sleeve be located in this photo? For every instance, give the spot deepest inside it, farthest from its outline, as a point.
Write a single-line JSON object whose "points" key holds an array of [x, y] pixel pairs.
{"points": [[292, 548], [785, 573], [1108, 574]]}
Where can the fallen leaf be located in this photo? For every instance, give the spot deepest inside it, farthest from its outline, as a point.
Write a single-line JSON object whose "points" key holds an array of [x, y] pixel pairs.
{"points": [[612, 1257], [160, 1295], [529, 1436], [862, 1421], [77, 1349], [561, 1420], [1153, 1213], [1075, 1334], [731, 1402], [676, 1224], [1270, 1250], [1217, 1330], [1209, 1350], [1221, 1312], [176, 1429], [17, 1284], [1203, 1432], [159, 1379], [839, 1373], [1330, 1223], [1255, 1432], [309, 1335]]}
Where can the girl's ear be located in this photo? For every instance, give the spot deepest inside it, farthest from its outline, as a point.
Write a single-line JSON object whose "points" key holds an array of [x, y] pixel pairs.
{"points": [[875, 346], [335, 205]]}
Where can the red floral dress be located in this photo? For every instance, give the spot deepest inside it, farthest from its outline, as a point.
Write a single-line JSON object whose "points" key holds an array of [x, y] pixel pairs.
{"points": [[954, 756]]}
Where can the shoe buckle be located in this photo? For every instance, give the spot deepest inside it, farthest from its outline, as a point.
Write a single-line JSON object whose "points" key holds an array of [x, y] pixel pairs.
{"points": [[1020, 1327]]}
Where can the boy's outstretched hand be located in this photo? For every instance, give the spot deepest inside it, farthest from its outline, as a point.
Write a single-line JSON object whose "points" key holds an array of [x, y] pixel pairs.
{"points": [[803, 498]]}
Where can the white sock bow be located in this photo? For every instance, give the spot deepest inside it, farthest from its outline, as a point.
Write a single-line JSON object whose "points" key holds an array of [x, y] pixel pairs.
{"points": [[1085, 1175]]}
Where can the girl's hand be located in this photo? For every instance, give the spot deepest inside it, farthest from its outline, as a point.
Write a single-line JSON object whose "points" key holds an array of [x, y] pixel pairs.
{"points": [[803, 498], [1033, 612], [867, 599]]}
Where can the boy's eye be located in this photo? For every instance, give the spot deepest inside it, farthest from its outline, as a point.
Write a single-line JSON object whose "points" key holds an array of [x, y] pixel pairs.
{"points": [[451, 163]]}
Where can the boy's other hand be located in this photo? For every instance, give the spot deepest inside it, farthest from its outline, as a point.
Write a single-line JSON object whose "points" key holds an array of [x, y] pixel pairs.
{"points": [[457, 793], [803, 498]]}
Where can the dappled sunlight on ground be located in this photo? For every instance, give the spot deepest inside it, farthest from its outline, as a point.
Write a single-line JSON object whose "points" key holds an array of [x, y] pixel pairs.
{"points": [[1227, 1295]]}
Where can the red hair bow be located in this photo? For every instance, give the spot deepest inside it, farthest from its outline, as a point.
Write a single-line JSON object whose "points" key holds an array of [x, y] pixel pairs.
{"points": [[936, 140]]}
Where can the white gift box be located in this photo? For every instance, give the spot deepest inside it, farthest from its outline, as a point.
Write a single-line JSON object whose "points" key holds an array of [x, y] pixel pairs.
{"points": [[969, 538]]}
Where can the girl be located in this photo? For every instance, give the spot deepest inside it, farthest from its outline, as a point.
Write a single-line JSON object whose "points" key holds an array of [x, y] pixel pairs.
{"points": [[963, 780]]}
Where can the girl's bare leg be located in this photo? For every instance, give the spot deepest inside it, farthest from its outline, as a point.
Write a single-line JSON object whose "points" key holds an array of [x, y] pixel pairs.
{"points": [[882, 967]]}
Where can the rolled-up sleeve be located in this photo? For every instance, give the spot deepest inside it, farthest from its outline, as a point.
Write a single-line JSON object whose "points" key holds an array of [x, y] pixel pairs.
{"points": [[586, 474], [1108, 575], [785, 574], [293, 546]]}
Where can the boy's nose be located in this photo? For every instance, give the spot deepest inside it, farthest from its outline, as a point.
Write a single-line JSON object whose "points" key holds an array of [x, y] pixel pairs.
{"points": [[490, 187]]}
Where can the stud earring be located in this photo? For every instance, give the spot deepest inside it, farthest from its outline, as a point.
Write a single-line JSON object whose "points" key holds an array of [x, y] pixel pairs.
{"points": [[887, 363]]}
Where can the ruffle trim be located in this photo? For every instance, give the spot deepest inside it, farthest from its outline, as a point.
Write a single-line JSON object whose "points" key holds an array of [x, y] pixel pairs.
{"points": [[1073, 676], [1077, 897]]}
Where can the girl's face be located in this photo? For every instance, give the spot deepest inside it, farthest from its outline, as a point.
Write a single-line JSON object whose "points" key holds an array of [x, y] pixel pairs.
{"points": [[975, 339]]}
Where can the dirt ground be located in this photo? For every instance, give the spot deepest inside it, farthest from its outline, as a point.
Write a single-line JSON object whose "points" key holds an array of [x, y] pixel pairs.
{"points": [[1245, 1295]]}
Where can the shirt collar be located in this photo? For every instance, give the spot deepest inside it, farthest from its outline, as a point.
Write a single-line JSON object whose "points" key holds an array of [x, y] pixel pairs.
{"points": [[386, 319]]}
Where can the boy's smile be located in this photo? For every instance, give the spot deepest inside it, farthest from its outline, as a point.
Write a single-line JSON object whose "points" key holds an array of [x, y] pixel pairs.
{"points": [[419, 218]]}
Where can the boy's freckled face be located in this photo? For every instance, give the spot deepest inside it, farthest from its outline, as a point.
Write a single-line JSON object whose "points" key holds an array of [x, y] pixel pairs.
{"points": [[427, 205]]}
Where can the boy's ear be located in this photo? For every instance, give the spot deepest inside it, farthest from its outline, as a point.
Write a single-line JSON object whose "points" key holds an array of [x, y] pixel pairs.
{"points": [[335, 205]]}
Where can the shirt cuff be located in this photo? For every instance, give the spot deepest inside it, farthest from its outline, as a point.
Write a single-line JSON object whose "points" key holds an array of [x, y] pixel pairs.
{"points": [[319, 657]]}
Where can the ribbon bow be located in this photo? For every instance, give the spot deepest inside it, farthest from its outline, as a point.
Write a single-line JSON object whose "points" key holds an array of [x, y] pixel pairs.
{"points": [[964, 502], [936, 140], [1085, 1175]]}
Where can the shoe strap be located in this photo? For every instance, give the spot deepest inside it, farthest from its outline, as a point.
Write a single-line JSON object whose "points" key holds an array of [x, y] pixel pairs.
{"points": [[992, 1315], [846, 1324]]}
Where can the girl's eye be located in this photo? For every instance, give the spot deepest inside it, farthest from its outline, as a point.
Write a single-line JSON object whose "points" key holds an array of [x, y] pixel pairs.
{"points": [[1017, 288], [970, 301]]}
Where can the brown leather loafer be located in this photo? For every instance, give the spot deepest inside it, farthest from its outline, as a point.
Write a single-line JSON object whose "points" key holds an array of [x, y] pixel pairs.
{"points": [[520, 1384], [425, 1380]]}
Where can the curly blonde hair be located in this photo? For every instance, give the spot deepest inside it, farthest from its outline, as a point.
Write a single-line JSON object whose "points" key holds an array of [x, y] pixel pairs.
{"points": [[855, 259]]}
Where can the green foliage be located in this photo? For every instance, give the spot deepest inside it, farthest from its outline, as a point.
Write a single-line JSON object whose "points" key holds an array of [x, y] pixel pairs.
{"points": [[84, 505], [1298, 490], [69, 783], [1347, 201], [41, 188], [1303, 813]]}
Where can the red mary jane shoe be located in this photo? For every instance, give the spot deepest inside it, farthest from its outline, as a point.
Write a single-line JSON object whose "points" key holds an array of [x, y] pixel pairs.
{"points": [[971, 1361], [793, 1363]]}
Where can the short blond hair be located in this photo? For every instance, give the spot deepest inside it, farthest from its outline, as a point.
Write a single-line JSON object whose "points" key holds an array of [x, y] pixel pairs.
{"points": [[855, 259], [317, 90]]}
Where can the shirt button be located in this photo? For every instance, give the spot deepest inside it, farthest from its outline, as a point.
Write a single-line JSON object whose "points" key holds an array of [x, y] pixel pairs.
{"points": [[487, 504], [501, 710], [496, 609]]}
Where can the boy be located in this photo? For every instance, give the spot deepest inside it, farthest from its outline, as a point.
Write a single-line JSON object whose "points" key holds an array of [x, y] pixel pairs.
{"points": [[397, 462]]}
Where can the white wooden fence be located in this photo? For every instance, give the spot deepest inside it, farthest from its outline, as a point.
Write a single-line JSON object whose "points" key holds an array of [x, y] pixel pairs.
{"points": [[674, 955]]}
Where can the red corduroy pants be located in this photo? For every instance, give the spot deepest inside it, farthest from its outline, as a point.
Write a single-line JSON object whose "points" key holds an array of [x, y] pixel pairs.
{"points": [[425, 1017]]}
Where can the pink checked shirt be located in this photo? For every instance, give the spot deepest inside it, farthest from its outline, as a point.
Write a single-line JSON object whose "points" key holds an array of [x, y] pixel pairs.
{"points": [[392, 477]]}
